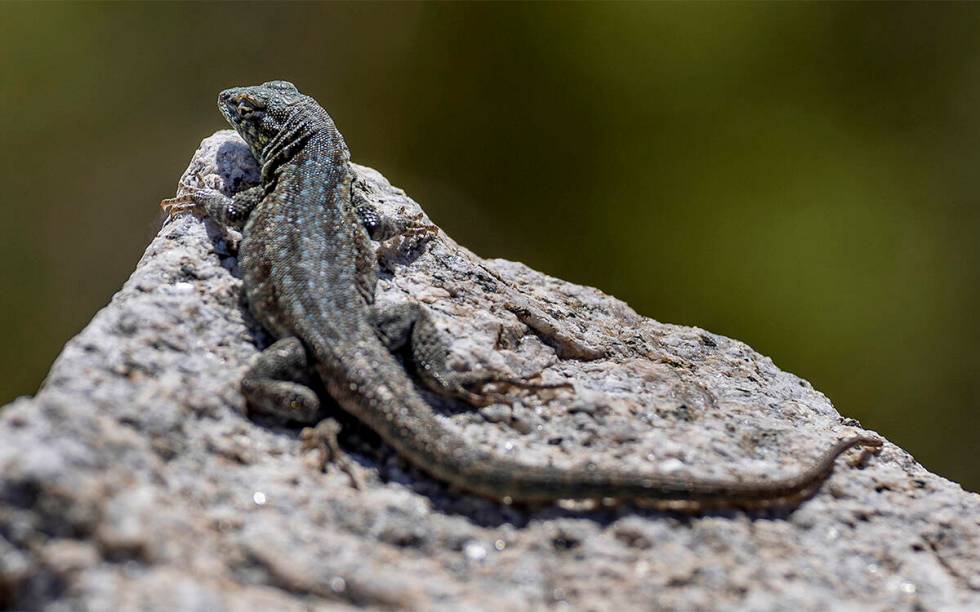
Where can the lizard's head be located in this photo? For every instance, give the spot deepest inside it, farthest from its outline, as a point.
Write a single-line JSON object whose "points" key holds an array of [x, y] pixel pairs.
{"points": [[261, 112]]}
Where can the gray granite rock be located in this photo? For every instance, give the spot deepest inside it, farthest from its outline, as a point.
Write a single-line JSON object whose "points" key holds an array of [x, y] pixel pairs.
{"points": [[135, 480]]}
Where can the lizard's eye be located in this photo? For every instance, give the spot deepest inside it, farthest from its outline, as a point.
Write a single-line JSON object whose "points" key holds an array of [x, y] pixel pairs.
{"points": [[247, 105]]}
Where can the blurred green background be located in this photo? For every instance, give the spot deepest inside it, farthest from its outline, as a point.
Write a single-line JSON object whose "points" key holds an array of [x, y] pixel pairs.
{"points": [[800, 177]]}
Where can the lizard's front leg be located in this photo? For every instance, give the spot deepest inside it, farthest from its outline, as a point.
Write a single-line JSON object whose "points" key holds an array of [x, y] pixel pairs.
{"points": [[383, 228], [409, 325], [226, 211]]}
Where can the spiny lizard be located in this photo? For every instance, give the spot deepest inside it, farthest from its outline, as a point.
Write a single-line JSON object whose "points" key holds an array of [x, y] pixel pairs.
{"points": [[309, 277]]}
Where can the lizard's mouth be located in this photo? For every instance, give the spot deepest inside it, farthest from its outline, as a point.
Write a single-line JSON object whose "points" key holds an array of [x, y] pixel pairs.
{"points": [[227, 103]]}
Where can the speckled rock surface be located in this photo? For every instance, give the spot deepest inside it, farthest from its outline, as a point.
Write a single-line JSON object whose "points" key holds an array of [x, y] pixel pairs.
{"points": [[135, 479]]}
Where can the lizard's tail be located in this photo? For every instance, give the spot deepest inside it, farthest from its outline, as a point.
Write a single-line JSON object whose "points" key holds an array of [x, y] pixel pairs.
{"points": [[549, 483], [394, 409]]}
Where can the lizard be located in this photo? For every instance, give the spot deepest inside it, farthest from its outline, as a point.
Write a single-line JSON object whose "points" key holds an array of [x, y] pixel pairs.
{"points": [[309, 275]]}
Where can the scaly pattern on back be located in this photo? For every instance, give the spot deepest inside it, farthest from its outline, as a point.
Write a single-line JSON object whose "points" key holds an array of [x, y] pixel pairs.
{"points": [[309, 275]]}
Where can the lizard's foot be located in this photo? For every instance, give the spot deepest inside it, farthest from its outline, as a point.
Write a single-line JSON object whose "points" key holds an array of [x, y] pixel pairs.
{"points": [[212, 203], [472, 386], [410, 241], [398, 236], [384, 228], [323, 439], [275, 385], [410, 326], [869, 446], [183, 203]]}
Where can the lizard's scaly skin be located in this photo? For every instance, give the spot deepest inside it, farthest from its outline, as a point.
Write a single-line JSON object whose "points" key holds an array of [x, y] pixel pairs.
{"points": [[309, 274]]}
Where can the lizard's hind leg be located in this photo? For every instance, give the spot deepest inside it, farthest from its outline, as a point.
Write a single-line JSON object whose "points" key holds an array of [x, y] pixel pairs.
{"points": [[409, 325], [277, 384]]}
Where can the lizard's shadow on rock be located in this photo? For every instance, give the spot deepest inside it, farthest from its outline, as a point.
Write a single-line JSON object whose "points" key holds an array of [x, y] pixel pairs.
{"points": [[236, 166], [490, 514]]}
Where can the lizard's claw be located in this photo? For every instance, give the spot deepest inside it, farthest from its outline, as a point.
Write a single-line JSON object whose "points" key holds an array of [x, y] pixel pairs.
{"points": [[190, 200], [474, 389], [178, 205], [323, 439], [869, 446]]}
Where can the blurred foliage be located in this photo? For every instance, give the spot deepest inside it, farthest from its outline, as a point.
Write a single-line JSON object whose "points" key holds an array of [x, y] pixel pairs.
{"points": [[801, 177]]}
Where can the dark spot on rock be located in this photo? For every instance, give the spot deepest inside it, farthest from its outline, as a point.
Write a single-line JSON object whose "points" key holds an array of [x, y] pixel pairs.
{"points": [[565, 542], [633, 538], [187, 272]]}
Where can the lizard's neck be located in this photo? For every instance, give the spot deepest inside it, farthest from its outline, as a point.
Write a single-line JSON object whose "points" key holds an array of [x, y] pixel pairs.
{"points": [[316, 179], [309, 141]]}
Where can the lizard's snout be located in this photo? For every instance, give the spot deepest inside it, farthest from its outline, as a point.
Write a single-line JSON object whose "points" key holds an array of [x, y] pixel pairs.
{"points": [[226, 97], [227, 102]]}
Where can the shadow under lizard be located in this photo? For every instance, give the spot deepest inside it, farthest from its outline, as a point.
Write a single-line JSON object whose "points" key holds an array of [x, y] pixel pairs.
{"points": [[309, 277]]}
